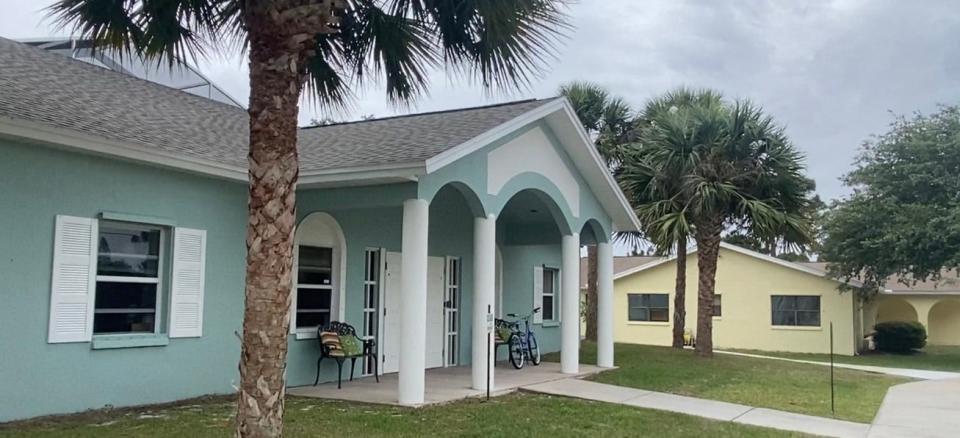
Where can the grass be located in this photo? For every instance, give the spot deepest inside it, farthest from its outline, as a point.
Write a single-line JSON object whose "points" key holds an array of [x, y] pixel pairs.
{"points": [[793, 387], [511, 415], [932, 357]]}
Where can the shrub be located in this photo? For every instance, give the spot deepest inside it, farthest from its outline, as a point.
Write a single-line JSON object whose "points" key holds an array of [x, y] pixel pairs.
{"points": [[900, 336]]}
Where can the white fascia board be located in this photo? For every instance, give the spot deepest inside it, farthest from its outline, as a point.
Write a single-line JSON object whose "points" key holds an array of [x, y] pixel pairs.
{"points": [[920, 292], [596, 173], [598, 176], [457, 152], [364, 175], [740, 250], [44, 133]]}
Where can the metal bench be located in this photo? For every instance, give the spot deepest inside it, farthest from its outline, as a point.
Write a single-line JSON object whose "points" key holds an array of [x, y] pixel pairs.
{"points": [[339, 341]]}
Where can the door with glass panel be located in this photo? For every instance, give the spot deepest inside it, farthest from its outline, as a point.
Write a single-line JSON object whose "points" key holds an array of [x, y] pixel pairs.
{"points": [[451, 309]]}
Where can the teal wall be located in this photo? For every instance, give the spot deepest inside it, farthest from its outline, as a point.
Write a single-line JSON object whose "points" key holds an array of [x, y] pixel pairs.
{"points": [[40, 182], [518, 264], [38, 378], [471, 172]]}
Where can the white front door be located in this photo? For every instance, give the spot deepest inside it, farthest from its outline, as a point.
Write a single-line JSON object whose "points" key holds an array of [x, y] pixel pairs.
{"points": [[391, 313]]}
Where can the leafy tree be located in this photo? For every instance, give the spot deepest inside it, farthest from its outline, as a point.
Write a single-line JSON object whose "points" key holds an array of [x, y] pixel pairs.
{"points": [[654, 186], [903, 217], [609, 121], [323, 47], [735, 168]]}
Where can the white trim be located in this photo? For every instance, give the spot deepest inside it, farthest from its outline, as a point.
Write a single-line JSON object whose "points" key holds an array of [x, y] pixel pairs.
{"points": [[137, 152], [627, 220], [919, 292], [740, 250], [359, 175], [634, 222], [455, 153]]}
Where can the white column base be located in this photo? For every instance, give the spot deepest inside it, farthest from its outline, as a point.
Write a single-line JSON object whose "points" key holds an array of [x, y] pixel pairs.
{"points": [[604, 305], [570, 304], [484, 276], [413, 307]]}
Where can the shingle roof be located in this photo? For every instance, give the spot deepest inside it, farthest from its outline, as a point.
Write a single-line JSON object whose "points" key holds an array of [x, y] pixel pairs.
{"points": [[52, 89], [402, 139], [949, 281]]}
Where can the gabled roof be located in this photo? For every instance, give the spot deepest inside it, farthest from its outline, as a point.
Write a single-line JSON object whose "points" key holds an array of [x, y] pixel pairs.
{"points": [[724, 245], [54, 99]]}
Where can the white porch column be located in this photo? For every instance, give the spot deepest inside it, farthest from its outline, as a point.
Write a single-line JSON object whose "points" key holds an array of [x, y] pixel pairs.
{"points": [[604, 305], [484, 276], [413, 307], [570, 304]]}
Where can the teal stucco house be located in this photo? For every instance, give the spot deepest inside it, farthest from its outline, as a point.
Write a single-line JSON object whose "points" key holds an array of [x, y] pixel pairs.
{"points": [[123, 237]]}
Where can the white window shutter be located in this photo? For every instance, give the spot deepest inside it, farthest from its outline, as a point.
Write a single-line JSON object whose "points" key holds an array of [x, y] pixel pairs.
{"points": [[538, 294], [73, 280], [186, 290]]}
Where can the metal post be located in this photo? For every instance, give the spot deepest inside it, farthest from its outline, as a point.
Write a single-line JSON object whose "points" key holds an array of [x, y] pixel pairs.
{"points": [[488, 354], [833, 408]]}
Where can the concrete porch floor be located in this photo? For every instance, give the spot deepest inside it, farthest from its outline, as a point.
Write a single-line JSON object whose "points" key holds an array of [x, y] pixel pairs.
{"points": [[442, 384]]}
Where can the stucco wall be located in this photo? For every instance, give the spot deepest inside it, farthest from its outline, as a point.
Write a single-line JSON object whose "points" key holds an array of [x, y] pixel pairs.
{"points": [[939, 313], [746, 284], [40, 378]]}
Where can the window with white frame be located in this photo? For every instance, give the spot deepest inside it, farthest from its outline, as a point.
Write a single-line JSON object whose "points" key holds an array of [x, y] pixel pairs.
{"points": [[551, 302], [648, 307], [371, 298], [128, 281], [314, 287], [717, 309]]}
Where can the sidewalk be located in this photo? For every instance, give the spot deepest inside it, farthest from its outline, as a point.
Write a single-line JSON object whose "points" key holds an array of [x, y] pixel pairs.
{"points": [[902, 372], [712, 409], [926, 409]]}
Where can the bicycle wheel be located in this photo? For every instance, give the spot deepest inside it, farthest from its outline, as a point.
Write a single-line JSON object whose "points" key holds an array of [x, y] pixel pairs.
{"points": [[516, 351], [533, 349]]}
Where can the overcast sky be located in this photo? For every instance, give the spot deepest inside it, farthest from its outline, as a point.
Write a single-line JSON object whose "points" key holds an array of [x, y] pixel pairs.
{"points": [[831, 71]]}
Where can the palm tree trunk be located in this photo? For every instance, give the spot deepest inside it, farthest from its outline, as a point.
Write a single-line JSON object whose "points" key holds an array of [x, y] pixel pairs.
{"points": [[591, 334], [281, 33], [708, 249], [680, 295]]}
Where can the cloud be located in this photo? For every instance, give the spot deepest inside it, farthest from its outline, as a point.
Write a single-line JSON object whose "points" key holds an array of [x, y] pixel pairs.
{"points": [[831, 71]]}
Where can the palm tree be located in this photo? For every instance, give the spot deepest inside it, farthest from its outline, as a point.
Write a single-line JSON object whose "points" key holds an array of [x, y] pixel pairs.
{"points": [[324, 47], [738, 170], [653, 185], [609, 122]]}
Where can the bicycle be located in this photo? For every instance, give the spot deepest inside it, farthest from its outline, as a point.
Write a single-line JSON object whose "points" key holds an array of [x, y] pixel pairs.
{"points": [[522, 344]]}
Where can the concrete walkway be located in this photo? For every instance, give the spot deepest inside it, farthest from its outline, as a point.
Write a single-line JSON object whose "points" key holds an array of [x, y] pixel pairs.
{"points": [[712, 409], [902, 372], [929, 409]]}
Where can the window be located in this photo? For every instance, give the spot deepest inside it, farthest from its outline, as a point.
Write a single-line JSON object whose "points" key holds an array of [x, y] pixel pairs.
{"points": [[795, 310], [717, 306], [550, 277], [648, 307], [371, 297], [129, 267], [451, 308], [314, 286]]}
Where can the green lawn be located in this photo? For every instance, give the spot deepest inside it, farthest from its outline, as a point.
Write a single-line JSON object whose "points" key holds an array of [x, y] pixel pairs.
{"points": [[766, 383], [933, 357], [511, 415]]}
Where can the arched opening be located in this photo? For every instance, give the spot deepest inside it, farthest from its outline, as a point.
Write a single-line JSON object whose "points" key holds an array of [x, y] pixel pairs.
{"points": [[529, 231], [318, 273], [590, 235], [944, 323], [895, 309]]}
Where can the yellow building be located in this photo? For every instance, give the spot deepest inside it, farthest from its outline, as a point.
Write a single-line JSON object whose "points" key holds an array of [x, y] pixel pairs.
{"points": [[765, 303]]}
